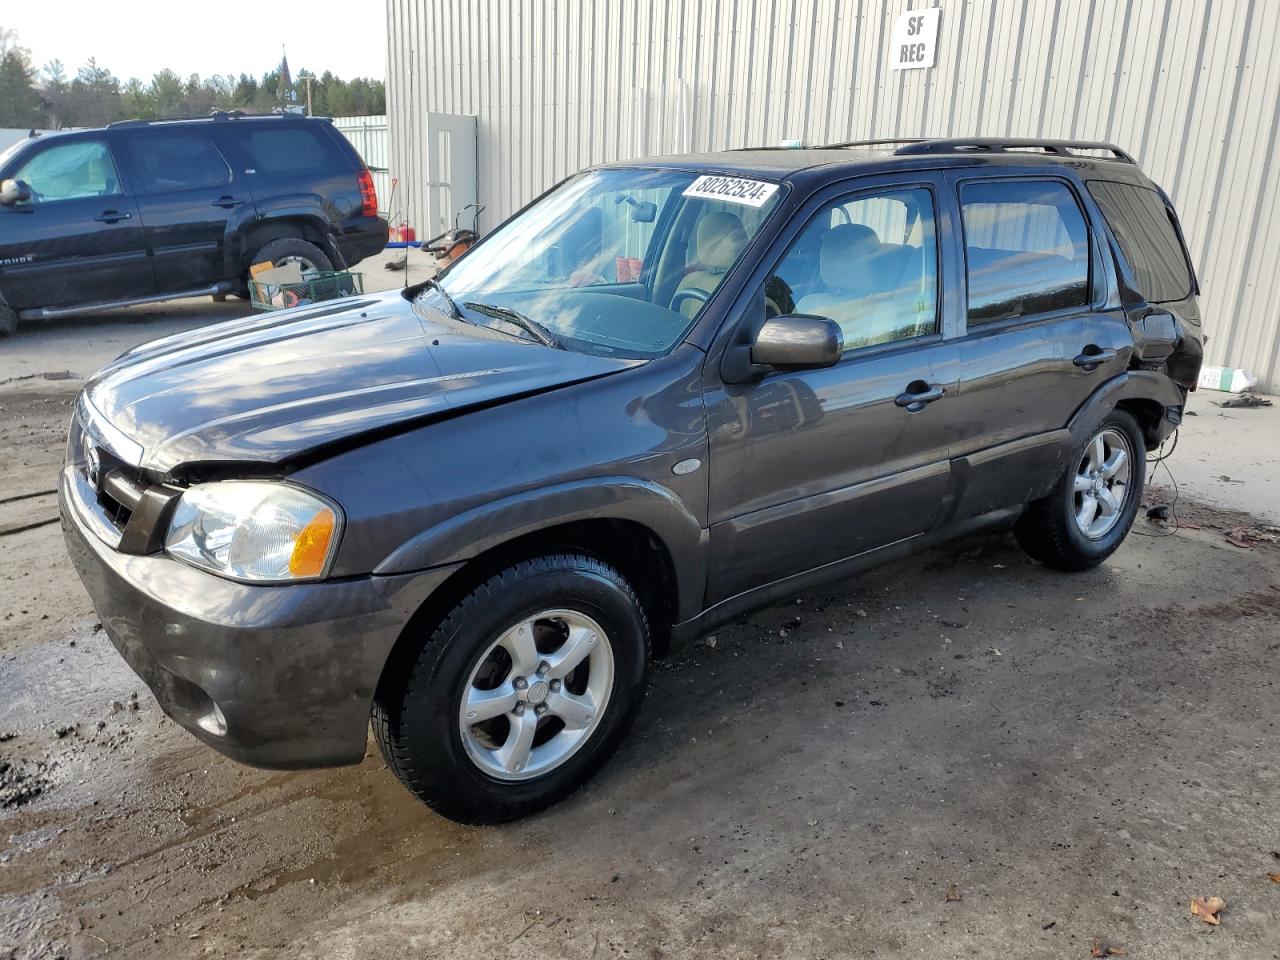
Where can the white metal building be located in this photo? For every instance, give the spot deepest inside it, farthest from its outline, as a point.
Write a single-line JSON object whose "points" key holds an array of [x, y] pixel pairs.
{"points": [[499, 99]]}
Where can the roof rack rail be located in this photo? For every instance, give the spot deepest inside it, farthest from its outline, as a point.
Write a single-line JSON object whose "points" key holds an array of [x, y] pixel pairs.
{"points": [[885, 142], [1062, 148], [211, 115]]}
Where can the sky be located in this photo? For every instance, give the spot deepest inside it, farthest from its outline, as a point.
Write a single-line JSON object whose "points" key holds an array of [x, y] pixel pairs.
{"points": [[137, 38]]}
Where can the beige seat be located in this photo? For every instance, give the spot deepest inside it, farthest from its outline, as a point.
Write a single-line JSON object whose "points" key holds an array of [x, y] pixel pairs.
{"points": [[867, 293], [718, 241]]}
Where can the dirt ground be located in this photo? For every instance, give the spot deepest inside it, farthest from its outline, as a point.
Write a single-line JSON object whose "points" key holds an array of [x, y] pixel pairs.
{"points": [[964, 755]]}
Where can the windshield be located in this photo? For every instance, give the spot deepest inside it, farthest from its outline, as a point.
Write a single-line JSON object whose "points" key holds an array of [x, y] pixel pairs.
{"points": [[618, 262]]}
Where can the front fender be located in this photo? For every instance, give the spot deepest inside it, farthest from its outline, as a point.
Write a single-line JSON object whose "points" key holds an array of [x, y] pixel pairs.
{"points": [[653, 506]]}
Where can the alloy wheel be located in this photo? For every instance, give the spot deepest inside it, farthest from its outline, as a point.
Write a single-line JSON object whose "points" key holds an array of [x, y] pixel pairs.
{"points": [[1102, 483], [536, 695]]}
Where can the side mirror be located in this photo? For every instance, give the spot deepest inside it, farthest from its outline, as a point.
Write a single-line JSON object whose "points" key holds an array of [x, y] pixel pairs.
{"points": [[14, 191], [798, 341]]}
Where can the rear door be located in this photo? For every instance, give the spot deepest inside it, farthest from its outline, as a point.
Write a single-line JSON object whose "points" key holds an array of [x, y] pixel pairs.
{"points": [[1044, 330], [191, 202], [79, 238], [810, 467]]}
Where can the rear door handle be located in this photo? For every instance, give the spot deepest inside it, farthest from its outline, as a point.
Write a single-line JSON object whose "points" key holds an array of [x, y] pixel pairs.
{"points": [[112, 216], [1091, 358], [227, 202], [918, 395]]}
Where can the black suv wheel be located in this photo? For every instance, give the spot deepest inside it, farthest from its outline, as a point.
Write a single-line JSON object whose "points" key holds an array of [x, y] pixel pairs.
{"points": [[292, 250], [520, 693], [8, 319], [1092, 507]]}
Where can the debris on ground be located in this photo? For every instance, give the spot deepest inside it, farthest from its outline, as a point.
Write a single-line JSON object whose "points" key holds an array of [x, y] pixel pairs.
{"points": [[1101, 948], [1246, 401], [1247, 536], [1159, 513], [19, 784], [1274, 877], [953, 893], [1208, 909]]}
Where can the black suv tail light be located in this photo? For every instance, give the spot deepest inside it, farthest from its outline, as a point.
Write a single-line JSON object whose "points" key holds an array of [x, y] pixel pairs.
{"points": [[368, 194]]}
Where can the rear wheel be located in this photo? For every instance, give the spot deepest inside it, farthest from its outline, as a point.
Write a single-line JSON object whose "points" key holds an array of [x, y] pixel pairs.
{"points": [[8, 320], [288, 250], [1089, 513], [520, 694]]}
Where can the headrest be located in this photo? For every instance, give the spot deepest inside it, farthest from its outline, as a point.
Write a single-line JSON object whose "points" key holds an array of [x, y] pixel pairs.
{"points": [[718, 241], [842, 248]]}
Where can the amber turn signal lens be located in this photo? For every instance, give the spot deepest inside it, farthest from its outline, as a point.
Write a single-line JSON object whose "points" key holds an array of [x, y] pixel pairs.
{"points": [[311, 549]]}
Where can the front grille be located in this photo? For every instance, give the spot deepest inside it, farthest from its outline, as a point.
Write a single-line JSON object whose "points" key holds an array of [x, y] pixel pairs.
{"points": [[129, 512]]}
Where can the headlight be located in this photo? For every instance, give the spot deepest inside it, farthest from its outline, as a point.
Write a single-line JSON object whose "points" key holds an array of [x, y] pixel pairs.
{"points": [[260, 531]]}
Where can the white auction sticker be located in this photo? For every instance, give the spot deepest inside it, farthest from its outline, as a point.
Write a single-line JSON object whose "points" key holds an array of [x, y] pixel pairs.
{"points": [[753, 193]]}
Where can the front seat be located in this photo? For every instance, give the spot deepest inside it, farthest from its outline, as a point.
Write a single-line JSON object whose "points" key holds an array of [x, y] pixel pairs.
{"points": [[718, 241]]}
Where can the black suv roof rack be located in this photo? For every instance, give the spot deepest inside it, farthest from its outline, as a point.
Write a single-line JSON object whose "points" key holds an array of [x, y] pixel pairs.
{"points": [[1061, 148], [213, 115]]}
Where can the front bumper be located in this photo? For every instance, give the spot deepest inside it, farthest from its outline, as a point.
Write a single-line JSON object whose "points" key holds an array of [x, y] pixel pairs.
{"points": [[279, 676]]}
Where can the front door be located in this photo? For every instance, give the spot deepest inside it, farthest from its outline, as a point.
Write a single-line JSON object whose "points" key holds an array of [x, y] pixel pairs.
{"points": [[79, 238], [191, 203], [811, 467]]}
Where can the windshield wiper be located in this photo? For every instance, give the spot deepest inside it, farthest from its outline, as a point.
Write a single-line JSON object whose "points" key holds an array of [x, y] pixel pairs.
{"points": [[540, 333], [453, 307]]}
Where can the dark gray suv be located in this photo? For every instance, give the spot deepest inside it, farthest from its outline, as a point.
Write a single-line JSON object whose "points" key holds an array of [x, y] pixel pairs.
{"points": [[662, 394]]}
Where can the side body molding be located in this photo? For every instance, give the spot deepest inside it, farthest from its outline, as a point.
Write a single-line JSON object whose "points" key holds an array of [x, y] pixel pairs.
{"points": [[471, 533]]}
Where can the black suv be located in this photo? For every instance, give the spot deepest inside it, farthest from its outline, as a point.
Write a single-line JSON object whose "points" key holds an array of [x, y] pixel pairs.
{"points": [[666, 392], [143, 211]]}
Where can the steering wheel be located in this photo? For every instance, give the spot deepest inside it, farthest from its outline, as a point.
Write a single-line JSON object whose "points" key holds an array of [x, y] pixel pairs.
{"points": [[689, 293]]}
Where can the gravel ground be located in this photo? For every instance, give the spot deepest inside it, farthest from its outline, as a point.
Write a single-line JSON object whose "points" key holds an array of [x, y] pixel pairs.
{"points": [[964, 755]]}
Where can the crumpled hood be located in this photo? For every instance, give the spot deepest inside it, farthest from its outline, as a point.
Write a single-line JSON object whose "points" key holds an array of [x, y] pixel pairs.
{"points": [[275, 387]]}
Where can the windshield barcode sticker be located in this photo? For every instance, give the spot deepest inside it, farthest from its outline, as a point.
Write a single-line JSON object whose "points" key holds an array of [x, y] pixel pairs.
{"points": [[753, 193]]}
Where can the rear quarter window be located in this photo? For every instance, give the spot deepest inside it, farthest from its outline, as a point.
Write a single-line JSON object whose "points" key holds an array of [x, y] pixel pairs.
{"points": [[293, 150], [1142, 226]]}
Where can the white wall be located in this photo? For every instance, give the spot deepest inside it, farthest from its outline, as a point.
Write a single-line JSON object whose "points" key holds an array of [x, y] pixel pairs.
{"points": [[1190, 87]]}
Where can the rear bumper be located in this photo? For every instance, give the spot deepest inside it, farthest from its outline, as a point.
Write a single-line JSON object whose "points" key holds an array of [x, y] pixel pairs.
{"points": [[360, 238], [270, 676]]}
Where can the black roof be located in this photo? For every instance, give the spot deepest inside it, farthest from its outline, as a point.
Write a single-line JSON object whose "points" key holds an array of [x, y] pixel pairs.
{"points": [[868, 156]]}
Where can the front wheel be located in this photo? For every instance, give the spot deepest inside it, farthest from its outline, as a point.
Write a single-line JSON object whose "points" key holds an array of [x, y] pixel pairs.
{"points": [[520, 693], [1090, 510]]}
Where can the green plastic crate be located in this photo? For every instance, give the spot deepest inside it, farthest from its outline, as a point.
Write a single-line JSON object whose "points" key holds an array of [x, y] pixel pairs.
{"points": [[329, 285]]}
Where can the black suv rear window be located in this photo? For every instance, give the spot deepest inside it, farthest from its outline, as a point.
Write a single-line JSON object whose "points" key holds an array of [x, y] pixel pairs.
{"points": [[1140, 220], [290, 150]]}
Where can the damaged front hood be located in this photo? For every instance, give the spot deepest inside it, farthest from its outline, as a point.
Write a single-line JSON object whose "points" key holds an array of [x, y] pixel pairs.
{"points": [[272, 388]]}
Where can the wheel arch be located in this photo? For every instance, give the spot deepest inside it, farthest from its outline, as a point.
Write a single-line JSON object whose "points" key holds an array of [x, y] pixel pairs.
{"points": [[296, 225], [637, 526], [1147, 396]]}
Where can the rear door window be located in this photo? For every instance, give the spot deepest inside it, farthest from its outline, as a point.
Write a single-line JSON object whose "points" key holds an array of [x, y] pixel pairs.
{"points": [[1144, 229], [166, 160], [291, 150], [1026, 248]]}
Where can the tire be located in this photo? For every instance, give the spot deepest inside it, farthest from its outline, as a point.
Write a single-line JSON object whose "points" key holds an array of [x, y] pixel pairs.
{"points": [[1053, 529], [471, 773], [8, 320], [288, 248]]}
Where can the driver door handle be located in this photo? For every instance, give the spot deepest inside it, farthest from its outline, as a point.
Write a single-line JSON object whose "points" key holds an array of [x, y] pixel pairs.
{"points": [[918, 395], [112, 216], [227, 202]]}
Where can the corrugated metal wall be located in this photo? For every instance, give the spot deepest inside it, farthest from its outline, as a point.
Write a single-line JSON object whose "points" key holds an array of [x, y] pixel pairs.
{"points": [[1191, 87]]}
